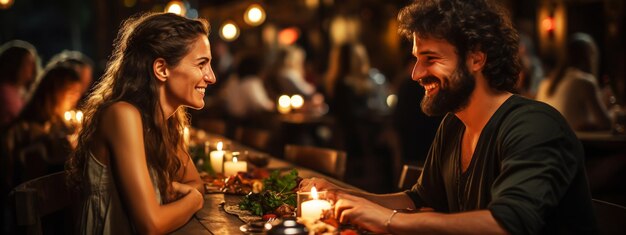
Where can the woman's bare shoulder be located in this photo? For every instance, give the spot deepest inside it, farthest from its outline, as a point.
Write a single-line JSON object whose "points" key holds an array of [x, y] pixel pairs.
{"points": [[120, 115]]}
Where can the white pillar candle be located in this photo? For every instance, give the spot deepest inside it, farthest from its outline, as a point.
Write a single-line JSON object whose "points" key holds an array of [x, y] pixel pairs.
{"points": [[312, 209], [217, 158], [231, 168]]}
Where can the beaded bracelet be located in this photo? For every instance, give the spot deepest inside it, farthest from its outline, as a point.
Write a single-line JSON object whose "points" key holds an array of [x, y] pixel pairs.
{"points": [[389, 220]]}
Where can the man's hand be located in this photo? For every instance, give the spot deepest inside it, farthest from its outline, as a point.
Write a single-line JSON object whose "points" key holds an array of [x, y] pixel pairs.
{"points": [[320, 185], [361, 212]]}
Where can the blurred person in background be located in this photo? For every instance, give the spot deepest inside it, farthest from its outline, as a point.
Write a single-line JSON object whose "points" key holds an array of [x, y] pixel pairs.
{"points": [[286, 75], [131, 163], [18, 71], [532, 70], [40, 139], [80, 62], [573, 89], [247, 98], [349, 89]]}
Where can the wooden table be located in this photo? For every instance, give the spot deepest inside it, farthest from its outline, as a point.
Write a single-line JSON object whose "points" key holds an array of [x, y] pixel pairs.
{"points": [[212, 219]]}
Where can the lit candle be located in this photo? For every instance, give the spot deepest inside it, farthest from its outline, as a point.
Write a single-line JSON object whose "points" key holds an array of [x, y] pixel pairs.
{"points": [[312, 209], [186, 136], [284, 104], [217, 158], [231, 168]]}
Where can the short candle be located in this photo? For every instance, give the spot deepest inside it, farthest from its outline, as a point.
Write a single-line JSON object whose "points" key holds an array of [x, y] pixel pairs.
{"points": [[231, 168], [217, 158], [312, 209]]}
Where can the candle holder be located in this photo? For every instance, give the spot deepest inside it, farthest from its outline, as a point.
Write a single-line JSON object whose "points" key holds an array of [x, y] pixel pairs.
{"points": [[306, 196]]}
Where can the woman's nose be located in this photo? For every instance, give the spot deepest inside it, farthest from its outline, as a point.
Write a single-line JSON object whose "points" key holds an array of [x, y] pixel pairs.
{"points": [[209, 77]]}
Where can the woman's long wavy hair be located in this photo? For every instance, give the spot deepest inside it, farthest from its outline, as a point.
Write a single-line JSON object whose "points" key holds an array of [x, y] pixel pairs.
{"points": [[129, 77]]}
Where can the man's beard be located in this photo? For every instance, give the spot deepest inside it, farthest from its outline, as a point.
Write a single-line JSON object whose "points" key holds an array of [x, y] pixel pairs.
{"points": [[454, 97]]}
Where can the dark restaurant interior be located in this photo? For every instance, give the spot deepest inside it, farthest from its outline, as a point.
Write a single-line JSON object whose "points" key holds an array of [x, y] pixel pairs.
{"points": [[376, 123]]}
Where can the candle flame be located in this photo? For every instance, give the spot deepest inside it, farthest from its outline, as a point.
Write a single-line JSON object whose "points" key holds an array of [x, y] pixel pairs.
{"points": [[314, 193], [219, 146], [235, 159]]}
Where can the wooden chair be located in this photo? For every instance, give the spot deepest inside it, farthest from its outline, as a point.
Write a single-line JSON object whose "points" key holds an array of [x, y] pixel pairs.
{"points": [[253, 137], [214, 126], [327, 161], [44, 204], [409, 176], [610, 217]]}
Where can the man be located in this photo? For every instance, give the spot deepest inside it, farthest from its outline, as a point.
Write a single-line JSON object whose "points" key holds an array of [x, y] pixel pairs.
{"points": [[499, 163]]}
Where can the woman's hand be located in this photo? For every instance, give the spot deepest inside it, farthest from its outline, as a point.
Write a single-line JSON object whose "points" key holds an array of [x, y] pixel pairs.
{"points": [[361, 212], [184, 190]]}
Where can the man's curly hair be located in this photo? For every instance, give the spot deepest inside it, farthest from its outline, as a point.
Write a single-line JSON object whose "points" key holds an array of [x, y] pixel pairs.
{"points": [[469, 25]]}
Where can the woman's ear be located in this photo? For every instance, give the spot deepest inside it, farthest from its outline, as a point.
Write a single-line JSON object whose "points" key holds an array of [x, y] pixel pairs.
{"points": [[476, 61], [160, 70]]}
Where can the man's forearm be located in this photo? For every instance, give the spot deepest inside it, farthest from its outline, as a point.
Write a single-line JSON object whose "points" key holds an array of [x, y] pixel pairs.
{"points": [[475, 222], [392, 201]]}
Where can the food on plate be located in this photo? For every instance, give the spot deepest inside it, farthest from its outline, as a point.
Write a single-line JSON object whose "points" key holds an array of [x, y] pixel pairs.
{"points": [[278, 195]]}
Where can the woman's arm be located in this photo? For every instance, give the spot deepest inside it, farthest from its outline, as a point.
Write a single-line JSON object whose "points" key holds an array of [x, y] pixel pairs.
{"points": [[122, 129], [188, 174]]}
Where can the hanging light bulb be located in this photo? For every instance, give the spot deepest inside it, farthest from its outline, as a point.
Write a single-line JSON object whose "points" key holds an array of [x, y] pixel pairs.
{"points": [[5, 4], [229, 31], [255, 15], [176, 7]]}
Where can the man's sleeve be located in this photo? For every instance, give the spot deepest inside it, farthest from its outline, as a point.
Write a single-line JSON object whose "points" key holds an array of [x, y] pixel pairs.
{"points": [[540, 157]]}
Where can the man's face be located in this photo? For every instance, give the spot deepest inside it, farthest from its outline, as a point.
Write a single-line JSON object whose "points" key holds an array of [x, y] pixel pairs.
{"points": [[445, 78]]}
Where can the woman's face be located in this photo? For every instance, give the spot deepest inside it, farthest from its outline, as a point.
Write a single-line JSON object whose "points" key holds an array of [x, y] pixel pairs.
{"points": [[188, 80]]}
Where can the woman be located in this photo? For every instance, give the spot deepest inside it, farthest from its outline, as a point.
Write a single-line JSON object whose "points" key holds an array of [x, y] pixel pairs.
{"points": [[130, 162], [574, 90], [40, 131]]}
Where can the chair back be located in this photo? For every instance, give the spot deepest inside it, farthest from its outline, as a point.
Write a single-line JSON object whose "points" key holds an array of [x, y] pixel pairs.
{"points": [[409, 176], [611, 217], [253, 137], [44, 204], [327, 161]]}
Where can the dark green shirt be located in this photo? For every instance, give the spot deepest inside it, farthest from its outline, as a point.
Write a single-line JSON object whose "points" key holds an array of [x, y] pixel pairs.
{"points": [[527, 169]]}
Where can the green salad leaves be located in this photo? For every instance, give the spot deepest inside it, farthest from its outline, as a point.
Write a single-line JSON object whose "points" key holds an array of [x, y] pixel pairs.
{"points": [[278, 190]]}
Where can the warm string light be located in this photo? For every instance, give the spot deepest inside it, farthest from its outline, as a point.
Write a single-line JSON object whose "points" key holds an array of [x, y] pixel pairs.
{"points": [[176, 7], [229, 31], [255, 15]]}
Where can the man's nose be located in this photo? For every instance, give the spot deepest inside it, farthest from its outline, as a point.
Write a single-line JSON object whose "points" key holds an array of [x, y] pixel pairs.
{"points": [[418, 71]]}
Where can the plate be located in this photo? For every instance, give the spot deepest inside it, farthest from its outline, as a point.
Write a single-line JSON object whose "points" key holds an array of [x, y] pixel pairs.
{"points": [[256, 227]]}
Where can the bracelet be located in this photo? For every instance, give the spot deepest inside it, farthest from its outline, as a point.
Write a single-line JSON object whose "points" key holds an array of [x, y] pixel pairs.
{"points": [[389, 221]]}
